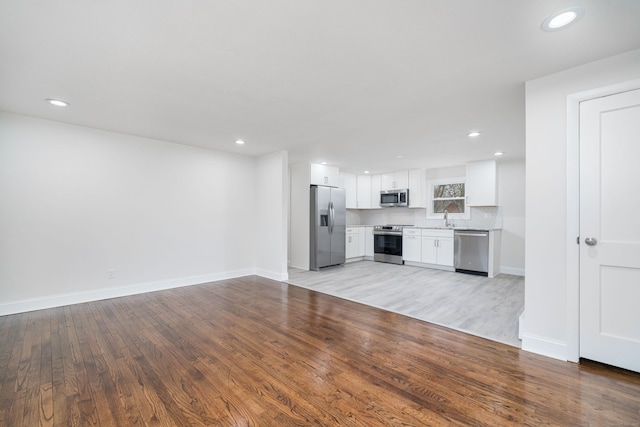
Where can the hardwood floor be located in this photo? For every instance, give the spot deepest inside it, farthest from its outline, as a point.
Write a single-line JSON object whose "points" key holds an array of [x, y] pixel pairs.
{"points": [[255, 352], [488, 308]]}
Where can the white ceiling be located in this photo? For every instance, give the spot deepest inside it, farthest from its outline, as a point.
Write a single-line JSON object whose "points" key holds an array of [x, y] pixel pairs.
{"points": [[356, 83]]}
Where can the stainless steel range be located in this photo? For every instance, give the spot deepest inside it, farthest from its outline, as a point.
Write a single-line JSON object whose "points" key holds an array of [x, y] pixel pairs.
{"points": [[387, 243]]}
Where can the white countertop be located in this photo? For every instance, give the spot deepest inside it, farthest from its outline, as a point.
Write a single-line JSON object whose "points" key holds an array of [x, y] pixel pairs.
{"points": [[434, 228]]}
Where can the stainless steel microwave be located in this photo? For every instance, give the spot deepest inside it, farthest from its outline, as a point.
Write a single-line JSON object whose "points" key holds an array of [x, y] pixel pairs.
{"points": [[394, 198]]}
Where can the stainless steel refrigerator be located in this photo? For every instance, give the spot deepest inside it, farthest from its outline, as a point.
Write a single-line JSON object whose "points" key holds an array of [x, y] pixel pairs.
{"points": [[328, 227]]}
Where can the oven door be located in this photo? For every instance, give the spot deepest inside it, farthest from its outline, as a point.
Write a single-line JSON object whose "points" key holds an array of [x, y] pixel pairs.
{"points": [[387, 244]]}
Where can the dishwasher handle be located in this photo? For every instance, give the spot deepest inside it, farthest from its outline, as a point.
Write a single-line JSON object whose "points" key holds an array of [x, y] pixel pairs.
{"points": [[474, 234]]}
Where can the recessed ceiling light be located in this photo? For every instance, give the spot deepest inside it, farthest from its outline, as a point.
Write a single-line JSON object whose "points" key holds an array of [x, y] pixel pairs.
{"points": [[57, 102], [239, 142], [366, 171], [498, 153], [323, 163], [399, 156], [473, 134], [562, 19]]}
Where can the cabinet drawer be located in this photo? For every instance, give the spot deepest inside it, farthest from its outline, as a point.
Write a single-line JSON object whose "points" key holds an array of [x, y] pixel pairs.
{"points": [[352, 230], [430, 232], [411, 232]]}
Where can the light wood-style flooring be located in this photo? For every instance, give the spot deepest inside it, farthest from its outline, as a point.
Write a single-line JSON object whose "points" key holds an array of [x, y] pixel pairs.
{"points": [[255, 352], [477, 305]]}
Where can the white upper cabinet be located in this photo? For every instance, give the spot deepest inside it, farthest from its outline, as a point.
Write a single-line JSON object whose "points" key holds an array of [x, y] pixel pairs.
{"points": [[348, 181], [368, 191], [402, 179], [364, 192], [376, 187], [417, 188], [395, 180], [482, 183], [325, 175]]}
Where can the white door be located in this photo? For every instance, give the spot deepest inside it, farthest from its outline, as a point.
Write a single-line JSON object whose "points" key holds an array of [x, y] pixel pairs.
{"points": [[610, 230]]}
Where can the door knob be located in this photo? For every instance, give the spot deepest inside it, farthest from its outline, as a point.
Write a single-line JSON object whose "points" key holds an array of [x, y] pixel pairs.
{"points": [[591, 241]]}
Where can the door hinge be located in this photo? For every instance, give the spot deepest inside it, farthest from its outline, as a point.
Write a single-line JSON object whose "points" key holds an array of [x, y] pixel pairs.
{"points": [[578, 240]]}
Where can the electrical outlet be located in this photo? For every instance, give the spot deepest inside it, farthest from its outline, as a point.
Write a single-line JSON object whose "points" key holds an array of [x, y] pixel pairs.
{"points": [[111, 274]]}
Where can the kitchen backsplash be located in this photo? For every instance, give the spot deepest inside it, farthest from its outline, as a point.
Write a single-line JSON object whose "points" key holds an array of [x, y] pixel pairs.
{"points": [[483, 218]]}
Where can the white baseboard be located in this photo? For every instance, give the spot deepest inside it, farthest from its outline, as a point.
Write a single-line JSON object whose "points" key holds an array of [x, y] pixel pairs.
{"points": [[52, 301], [544, 346], [512, 270], [273, 275], [432, 266]]}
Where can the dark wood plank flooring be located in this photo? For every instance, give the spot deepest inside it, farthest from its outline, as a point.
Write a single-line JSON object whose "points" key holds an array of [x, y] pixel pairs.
{"points": [[254, 352]]}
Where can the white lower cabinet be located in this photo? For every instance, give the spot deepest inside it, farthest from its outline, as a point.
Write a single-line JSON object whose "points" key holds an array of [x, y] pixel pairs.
{"points": [[356, 244], [445, 252], [368, 242], [361, 241], [429, 250], [437, 247], [428, 246], [412, 244], [353, 243]]}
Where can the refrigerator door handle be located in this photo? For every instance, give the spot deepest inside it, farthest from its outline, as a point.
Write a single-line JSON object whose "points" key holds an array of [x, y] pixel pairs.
{"points": [[331, 217]]}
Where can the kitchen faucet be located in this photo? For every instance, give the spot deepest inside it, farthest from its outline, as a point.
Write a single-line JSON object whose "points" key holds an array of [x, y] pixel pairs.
{"points": [[446, 218]]}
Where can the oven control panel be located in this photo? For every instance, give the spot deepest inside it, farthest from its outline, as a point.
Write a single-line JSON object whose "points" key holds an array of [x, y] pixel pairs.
{"points": [[391, 228]]}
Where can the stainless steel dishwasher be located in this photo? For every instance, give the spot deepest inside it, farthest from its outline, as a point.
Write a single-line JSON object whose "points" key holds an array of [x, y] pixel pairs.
{"points": [[471, 251]]}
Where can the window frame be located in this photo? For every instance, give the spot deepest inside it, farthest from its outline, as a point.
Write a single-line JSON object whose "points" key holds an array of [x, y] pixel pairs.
{"points": [[432, 183]]}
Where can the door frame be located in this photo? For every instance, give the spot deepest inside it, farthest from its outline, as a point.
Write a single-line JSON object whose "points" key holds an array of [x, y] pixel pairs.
{"points": [[573, 207]]}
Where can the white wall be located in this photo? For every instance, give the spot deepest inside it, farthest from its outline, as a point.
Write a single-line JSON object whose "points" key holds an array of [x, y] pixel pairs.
{"points": [[76, 202], [272, 215], [511, 196], [551, 325], [299, 239]]}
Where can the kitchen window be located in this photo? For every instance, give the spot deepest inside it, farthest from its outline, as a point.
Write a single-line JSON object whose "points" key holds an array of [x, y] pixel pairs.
{"points": [[447, 194]]}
